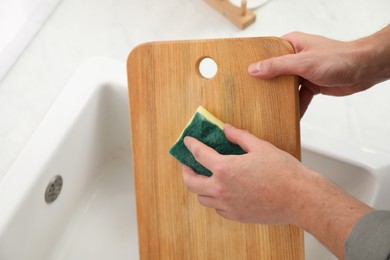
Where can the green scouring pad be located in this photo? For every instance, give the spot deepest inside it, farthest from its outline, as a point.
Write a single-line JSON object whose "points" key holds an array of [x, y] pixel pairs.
{"points": [[209, 130]]}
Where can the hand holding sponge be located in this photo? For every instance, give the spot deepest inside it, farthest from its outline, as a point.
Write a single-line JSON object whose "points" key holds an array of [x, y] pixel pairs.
{"points": [[209, 130]]}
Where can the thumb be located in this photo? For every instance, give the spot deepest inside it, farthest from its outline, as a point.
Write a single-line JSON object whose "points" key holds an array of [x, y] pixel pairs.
{"points": [[282, 65], [243, 138]]}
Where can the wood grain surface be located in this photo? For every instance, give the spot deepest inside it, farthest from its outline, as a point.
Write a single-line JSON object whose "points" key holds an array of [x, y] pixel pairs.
{"points": [[165, 88]]}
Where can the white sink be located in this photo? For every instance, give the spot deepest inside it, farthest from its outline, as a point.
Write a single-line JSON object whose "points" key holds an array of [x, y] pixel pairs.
{"points": [[85, 139]]}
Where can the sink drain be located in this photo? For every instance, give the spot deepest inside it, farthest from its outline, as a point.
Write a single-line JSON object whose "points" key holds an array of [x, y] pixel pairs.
{"points": [[53, 189]]}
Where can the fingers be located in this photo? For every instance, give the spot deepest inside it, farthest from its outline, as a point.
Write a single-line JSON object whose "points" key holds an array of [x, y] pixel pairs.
{"points": [[306, 93], [243, 138], [202, 186], [298, 40], [305, 97], [208, 202], [283, 65], [270, 68], [196, 183], [202, 153]]}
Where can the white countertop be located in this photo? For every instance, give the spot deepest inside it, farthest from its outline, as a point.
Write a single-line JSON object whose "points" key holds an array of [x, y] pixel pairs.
{"points": [[78, 30]]}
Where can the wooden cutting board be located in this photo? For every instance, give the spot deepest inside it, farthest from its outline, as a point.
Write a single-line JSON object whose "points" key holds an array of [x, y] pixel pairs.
{"points": [[165, 88]]}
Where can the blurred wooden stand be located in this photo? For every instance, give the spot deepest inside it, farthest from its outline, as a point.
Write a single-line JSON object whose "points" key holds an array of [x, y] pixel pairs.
{"points": [[240, 16]]}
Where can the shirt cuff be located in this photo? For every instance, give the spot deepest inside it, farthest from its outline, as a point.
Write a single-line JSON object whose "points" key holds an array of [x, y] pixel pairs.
{"points": [[370, 237]]}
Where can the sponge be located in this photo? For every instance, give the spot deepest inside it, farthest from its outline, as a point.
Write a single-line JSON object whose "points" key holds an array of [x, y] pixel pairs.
{"points": [[209, 130]]}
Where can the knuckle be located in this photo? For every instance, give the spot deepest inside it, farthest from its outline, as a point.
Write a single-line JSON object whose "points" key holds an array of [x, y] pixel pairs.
{"points": [[223, 213], [228, 214], [236, 215], [219, 168], [240, 218], [186, 176], [186, 179], [292, 34], [201, 200], [219, 192], [219, 212], [304, 66], [190, 187], [296, 39], [223, 195], [189, 184]]}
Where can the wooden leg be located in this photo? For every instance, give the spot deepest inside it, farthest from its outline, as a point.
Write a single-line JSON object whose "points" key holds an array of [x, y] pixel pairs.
{"points": [[240, 16]]}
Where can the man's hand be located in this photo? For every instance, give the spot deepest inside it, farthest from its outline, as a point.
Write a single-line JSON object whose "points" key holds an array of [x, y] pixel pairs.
{"points": [[257, 187], [269, 186], [330, 67]]}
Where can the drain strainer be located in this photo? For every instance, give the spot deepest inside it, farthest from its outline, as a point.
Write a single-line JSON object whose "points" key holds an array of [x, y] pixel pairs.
{"points": [[53, 189]]}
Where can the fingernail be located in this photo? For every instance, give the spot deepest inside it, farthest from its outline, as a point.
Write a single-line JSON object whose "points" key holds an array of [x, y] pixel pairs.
{"points": [[254, 68]]}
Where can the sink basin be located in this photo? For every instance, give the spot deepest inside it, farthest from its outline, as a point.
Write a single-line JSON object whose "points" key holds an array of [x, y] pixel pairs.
{"points": [[85, 139]]}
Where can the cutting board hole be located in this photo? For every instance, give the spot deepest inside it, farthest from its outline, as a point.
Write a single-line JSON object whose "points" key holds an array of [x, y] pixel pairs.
{"points": [[208, 68]]}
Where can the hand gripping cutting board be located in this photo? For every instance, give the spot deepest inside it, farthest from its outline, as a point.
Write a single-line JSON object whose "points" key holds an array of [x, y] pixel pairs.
{"points": [[165, 88]]}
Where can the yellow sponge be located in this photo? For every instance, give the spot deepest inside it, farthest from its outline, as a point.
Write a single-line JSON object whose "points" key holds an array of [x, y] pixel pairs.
{"points": [[208, 129]]}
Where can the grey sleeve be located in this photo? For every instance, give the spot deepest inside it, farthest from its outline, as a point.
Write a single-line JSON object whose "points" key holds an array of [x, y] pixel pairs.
{"points": [[370, 238]]}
